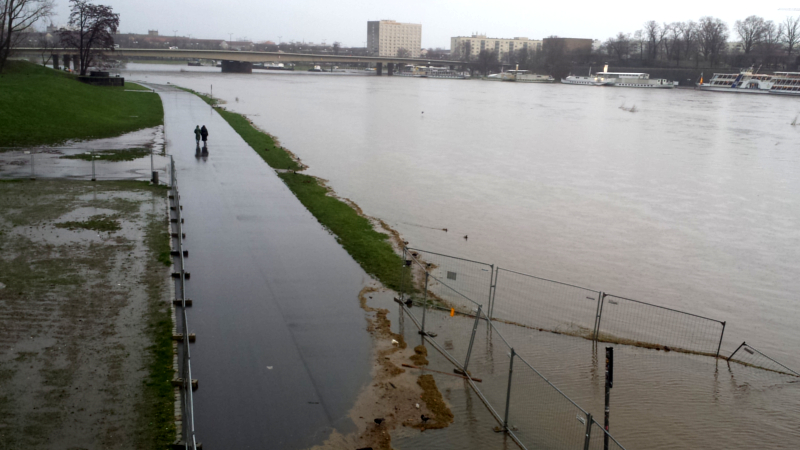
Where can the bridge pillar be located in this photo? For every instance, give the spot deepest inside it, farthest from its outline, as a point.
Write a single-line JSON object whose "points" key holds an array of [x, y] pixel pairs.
{"points": [[237, 67], [66, 61], [391, 69], [452, 67], [379, 69], [55, 61]]}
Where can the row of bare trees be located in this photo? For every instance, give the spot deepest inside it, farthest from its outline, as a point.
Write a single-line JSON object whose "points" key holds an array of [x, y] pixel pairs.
{"points": [[91, 28], [751, 41]]}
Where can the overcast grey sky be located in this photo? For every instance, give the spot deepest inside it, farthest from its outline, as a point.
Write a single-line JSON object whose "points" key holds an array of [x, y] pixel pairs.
{"points": [[345, 20]]}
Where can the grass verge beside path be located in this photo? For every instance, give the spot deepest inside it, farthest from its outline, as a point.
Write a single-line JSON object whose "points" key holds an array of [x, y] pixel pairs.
{"points": [[42, 106], [370, 248]]}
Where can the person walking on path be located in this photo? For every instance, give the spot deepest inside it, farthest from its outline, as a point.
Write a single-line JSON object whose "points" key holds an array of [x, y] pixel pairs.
{"points": [[204, 134], [197, 134]]}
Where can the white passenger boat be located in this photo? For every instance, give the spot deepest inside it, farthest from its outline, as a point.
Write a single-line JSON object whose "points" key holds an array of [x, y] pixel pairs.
{"points": [[635, 80], [785, 83], [744, 82], [523, 76], [430, 72], [588, 81]]}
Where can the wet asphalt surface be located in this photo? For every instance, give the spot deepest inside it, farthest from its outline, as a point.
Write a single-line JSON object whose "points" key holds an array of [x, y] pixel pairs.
{"points": [[282, 348]]}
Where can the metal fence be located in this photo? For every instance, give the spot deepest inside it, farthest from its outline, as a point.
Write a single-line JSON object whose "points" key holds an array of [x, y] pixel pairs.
{"points": [[82, 163], [185, 380], [748, 356], [548, 305], [526, 405]]}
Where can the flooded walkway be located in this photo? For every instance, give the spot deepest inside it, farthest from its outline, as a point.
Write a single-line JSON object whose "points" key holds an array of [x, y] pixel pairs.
{"points": [[282, 349]]}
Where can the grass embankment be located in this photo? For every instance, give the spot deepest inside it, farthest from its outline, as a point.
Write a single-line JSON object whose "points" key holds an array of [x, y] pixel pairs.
{"points": [[370, 248], [42, 106]]}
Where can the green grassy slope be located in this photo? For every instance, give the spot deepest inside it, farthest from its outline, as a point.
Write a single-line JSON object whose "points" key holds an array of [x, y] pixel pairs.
{"points": [[41, 106]]}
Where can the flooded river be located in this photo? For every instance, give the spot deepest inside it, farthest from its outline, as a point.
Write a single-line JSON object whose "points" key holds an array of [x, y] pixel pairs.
{"points": [[689, 202]]}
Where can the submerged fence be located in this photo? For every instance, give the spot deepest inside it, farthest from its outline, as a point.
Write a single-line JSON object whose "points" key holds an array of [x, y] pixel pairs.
{"points": [[548, 305], [748, 356], [526, 405], [185, 381]]}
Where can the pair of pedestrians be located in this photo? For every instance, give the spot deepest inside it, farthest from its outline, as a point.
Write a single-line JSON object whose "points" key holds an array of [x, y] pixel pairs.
{"points": [[201, 133]]}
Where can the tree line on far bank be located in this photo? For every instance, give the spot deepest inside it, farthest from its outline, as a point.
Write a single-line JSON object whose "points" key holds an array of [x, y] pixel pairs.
{"points": [[706, 43]]}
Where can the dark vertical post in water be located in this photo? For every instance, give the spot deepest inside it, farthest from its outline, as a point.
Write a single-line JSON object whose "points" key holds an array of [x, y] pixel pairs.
{"points": [[424, 304], [600, 300], [491, 289], [403, 277], [609, 385], [472, 339], [588, 436], [508, 390], [379, 69], [720, 338]]}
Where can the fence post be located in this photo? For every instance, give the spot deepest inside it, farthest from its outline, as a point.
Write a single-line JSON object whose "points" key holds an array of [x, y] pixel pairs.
{"points": [[171, 172], [601, 297], [494, 293], [588, 437], [491, 288], [508, 390], [424, 303], [472, 339], [737, 349], [403, 277], [93, 177], [33, 172], [720, 338]]}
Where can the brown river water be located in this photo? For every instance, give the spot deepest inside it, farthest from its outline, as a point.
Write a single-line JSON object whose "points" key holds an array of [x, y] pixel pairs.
{"points": [[690, 202]]}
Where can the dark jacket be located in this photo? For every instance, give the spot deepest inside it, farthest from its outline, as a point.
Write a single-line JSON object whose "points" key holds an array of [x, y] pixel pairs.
{"points": [[197, 133], [204, 133]]}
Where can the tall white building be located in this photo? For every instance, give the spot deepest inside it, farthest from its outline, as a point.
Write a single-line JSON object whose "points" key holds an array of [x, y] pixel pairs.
{"points": [[472, 45], [387, 37]]}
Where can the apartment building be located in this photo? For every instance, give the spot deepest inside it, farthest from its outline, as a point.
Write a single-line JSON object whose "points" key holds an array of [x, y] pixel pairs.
{"points": [[387, 37], [461, 46]]}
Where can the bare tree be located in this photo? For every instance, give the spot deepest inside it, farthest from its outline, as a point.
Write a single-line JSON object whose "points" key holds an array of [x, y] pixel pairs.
{"points": [[336, 47], [712, 37], [770, 44], [654, 34], [619, 46], [92, 30], [486, 60], [17, 16], [46, 45], [689, 35], [403, 53], [791, 34], [750, 31], [672, 41]]}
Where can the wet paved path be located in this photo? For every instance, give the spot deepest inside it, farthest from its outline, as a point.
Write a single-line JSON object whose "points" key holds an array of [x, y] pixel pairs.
{"points": [[281, 347]]}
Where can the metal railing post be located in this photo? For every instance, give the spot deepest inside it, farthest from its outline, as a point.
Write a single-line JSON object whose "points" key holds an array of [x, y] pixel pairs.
{"points": [[424, 304], [403, 277], [33, 171], [601, 298], [472, 339], [491, 288], [720, 338], [737, 349], [94, 178], [587, 439], [494, 294], [508, 390]]}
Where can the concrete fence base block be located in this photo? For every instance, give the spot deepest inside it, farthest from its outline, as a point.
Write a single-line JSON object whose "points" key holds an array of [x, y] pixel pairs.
{"points": [[180, 445], [178, 382], [179, 337], [172, 197], [178, 302], [177, 253], [175, 235]]}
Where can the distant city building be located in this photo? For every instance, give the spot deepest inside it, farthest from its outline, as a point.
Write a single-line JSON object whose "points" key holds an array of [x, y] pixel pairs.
{"points": [[387, 38], [461, 46], [152, 32]]}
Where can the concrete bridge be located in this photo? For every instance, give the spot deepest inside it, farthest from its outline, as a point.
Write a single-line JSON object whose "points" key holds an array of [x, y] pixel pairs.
{"points": [[242, 62]]}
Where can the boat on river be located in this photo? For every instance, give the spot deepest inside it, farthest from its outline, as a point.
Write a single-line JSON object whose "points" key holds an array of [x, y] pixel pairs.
{"points": [[620, 79], [429, 72], [744, 82], [785, 83], [523, 76]]}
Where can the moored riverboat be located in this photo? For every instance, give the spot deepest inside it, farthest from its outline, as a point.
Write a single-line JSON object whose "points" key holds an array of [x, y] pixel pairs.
{"points": [[523, 76], [635, 80], [785, 83], [586, 81], [430, 72], [744, 82]]}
